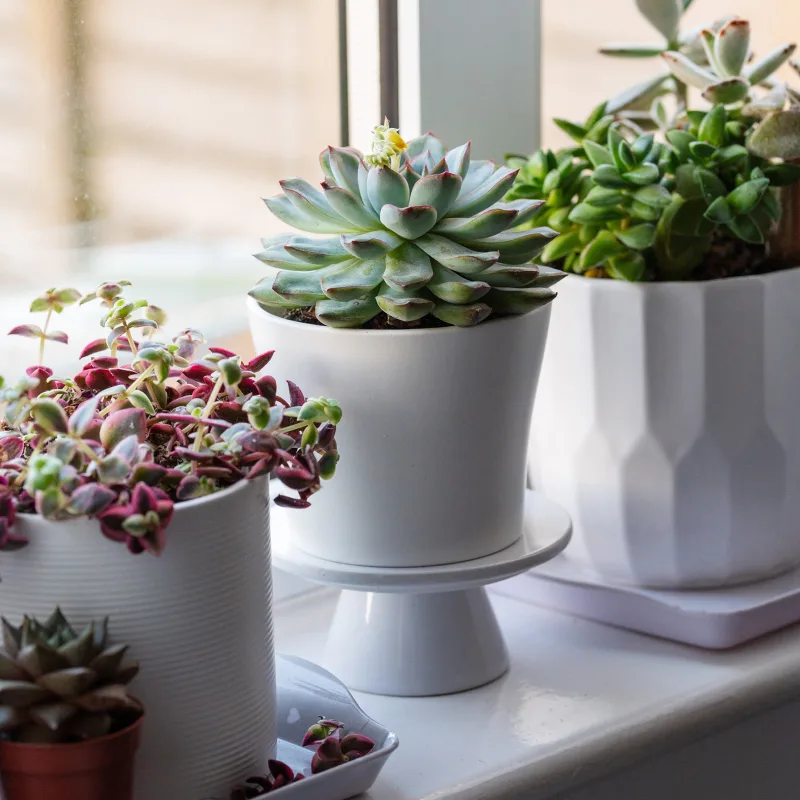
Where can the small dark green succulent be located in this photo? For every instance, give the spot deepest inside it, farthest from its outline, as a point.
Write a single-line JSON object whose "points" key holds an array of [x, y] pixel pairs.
{"points": [[419, 231], [60, 685]]}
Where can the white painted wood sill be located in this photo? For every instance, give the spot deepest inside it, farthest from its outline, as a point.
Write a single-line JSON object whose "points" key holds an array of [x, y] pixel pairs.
{"points": [[589, 712]]}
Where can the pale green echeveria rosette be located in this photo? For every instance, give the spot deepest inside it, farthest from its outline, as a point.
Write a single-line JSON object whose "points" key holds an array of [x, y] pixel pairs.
{"points": [[411, 230]]}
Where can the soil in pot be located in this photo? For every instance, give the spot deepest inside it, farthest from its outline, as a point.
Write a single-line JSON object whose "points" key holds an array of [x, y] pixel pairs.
{"points": [[727, 257], [97, 769], [379, 322]]}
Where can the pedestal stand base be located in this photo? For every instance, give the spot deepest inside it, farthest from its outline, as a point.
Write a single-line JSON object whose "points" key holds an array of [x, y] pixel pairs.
{"points": [[416, 644], [423, 630]]}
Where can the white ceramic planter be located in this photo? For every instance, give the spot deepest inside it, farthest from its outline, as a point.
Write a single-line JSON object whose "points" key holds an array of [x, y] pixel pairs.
{"points": [[433, 439], [667, 424], [197, 618]]}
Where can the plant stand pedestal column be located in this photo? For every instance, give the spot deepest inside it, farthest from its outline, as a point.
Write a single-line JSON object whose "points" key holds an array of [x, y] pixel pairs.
{"points": [[423, 630]]}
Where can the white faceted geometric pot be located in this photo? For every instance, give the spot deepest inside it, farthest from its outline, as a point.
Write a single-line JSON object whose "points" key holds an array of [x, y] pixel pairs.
{"points": [[197, 618], [433, 439], [668, 425]]}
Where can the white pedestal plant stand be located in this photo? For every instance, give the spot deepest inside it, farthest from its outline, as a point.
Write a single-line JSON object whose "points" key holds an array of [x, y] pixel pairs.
{"points": [[418, 631]]}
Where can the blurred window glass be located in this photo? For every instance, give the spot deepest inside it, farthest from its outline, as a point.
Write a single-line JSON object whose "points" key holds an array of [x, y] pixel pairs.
{"points": [[139, 137]]}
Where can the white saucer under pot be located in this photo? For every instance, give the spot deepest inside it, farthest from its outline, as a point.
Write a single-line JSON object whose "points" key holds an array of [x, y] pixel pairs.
{"points": [[433, 439], [667, 425]]}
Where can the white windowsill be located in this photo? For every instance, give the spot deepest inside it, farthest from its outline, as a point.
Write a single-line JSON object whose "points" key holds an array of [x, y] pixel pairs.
{"points": [[581, 702]]}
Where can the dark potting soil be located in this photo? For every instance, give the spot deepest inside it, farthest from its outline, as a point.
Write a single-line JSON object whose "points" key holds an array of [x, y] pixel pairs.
{"points": [[380, 322], [727, 257], [732, 258]]}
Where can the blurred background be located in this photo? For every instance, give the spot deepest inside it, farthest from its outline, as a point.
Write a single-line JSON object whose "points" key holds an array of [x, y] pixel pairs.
{"points": [[138, 137]]}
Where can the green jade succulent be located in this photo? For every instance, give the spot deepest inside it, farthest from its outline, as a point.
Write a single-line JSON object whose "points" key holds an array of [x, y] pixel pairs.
{"points": [[638, 209], [418, 232]]}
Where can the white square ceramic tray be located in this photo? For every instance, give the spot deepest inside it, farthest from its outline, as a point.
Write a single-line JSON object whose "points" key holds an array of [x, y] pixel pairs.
{"points": [[306, 692], [714, 619]]}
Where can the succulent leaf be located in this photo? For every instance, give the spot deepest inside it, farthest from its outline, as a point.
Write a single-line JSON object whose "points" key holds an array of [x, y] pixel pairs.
{"points": [[719, 212], [458, 159], [663, 15], [354, 279], [485, 194], [515, 247], [49, 415], [729, 90], [518, 301], [598, 154], [711, 186], [687, 71], [410, 222], [348, 206], [632, 50], [344, 165], [371, 245], [456, 257], [712, 127], [764, 67], [600, 249], [120, 425], [350, 314], [363, 191], [746, 228], [22, 694], [301, 288], [408, 267], [654, 195], [306, 219], [778, 136], [462, 316], [639, 237], [438, 191], [485, 224], [744, 198], [732, 46], [526, 210], [643, 175], [403, 305], [630, 266], [641, 95], [387, 187], [453, 288]]}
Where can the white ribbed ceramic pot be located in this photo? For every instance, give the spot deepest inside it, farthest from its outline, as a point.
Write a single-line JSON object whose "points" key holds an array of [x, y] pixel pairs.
{"points": [[667, 424], [433, 438], [197, 618]]}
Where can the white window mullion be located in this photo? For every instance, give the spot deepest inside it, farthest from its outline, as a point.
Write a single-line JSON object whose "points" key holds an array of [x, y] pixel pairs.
{"points": [[471, 69], [467, 69]]}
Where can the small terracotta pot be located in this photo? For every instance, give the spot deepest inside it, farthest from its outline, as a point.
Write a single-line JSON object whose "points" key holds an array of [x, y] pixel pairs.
{"points": [[99, 769]]}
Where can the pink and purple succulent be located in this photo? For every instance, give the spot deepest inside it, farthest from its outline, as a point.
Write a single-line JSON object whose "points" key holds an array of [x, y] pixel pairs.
{"points": [[128, 437], [333, 748]]}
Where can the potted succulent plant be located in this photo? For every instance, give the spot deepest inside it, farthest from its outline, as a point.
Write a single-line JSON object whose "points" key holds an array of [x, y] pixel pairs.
{"points": [[69, 730], [161, 449], [421, 310], [666, 417]]}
